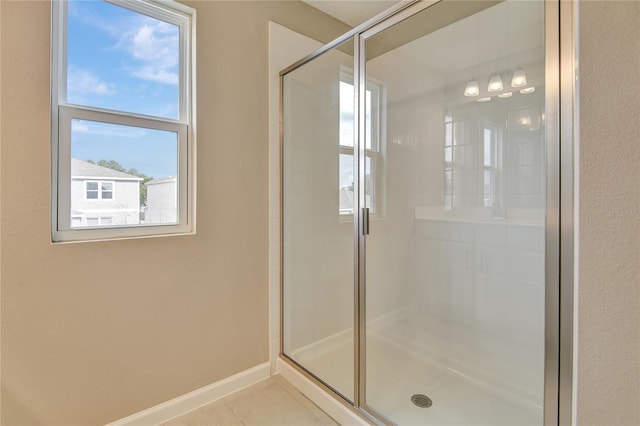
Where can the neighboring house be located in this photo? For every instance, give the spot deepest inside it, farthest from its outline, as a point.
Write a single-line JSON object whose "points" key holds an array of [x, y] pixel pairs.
{"points": [[101, 196], [162, 200]]}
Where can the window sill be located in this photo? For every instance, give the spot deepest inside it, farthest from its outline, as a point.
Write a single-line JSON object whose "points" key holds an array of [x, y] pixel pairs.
{"points": [[119, 233]]}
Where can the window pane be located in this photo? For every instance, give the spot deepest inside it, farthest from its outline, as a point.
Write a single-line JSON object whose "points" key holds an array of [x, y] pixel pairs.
{"points": [[368, 129], [369, 183], [489, 148], [448, 134], [92, 221], [346, 183], [136, 167], [459, 133], [346, 114], [489, 188], [448, 158], [92, 186], [122, 60]]}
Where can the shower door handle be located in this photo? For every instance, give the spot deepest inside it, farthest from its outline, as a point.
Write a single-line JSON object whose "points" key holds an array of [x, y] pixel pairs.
{"points": [[365, 221]]}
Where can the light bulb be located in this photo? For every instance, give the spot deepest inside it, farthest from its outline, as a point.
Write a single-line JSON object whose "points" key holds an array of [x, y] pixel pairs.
{"points": [[528, 90], [525, 121], [472, 88], [484, 99], [495, 84], [519, 79], [505, 95]]}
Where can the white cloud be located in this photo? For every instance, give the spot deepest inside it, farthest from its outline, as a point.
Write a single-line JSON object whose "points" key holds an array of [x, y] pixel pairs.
{"points": [[150, 46], [79, 126], [81, 83], [156, 74], [81, 13], [155, 47]]}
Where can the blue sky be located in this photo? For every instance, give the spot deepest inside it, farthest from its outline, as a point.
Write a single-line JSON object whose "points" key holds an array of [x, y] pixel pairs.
{"points": [[123, 60]]}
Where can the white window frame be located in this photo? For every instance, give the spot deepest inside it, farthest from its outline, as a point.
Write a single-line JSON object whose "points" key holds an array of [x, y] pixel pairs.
{"points": [[63, 112], [376, 153], [496, 170], [99, 190]]}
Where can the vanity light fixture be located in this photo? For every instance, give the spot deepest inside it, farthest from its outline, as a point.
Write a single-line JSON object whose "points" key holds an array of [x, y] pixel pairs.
{"points": [[472, 88], [495, 83], [519, 78]]}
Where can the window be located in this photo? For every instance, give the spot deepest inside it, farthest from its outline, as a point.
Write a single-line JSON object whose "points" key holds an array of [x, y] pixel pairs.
{"points": [[491, 167], [373, 162], [122, 115], [473, 169], [99, 190], [99, 221]]}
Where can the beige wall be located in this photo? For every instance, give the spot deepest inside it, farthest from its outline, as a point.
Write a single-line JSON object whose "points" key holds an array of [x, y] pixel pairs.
{"points": [[93, 332], [609, 214]]}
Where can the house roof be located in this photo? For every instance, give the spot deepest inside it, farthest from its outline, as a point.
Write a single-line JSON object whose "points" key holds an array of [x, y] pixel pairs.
{"points": [[81, 168], [162, 180]]}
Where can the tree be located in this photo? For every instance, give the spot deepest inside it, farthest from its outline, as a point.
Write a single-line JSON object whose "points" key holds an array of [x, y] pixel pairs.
{"points": [[114, 165]]}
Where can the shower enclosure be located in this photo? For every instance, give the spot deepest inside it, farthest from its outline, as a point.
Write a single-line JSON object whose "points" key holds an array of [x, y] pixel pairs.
{"points": [[419, 214]]}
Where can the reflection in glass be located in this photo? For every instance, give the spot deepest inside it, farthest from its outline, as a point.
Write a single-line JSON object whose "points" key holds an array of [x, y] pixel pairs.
{"points": [[346, 163], [454, 272]]}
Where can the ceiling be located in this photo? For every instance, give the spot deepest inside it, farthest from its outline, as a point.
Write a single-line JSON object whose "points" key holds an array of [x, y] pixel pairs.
{"points": [[352, 12]]}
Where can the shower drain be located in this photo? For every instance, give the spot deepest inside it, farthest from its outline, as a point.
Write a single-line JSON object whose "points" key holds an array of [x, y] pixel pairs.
{"points": [[422, 401]]}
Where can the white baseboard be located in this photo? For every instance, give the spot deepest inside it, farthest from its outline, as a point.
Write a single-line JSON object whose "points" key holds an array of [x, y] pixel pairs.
{"points": [[320, 397], [195, 399]]}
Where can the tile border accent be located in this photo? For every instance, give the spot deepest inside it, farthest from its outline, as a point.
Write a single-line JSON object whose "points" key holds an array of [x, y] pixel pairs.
{"points": [[339, 412], [195, 399]]}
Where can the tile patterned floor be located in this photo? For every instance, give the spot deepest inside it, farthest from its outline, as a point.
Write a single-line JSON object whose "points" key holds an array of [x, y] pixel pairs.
{"points": [[270, 402]]}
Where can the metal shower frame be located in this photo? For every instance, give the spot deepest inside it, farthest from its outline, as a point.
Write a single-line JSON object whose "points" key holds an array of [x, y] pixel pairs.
{"points": [[560, 126]]}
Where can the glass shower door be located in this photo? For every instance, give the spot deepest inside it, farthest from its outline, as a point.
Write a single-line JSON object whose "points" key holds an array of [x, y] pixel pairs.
{"points": [[455, 180], [317, 210]]}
